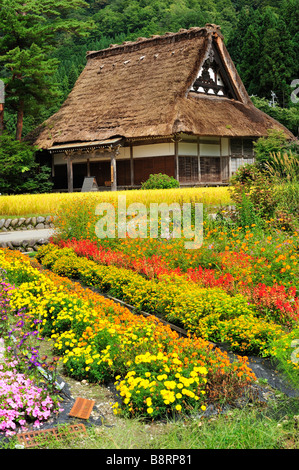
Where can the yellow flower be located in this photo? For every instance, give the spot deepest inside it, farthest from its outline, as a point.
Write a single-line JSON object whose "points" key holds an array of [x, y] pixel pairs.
{"points": [[150, 410]]}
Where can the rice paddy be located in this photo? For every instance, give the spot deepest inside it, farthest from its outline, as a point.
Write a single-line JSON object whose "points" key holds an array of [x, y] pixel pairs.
{"points": [[46, 204]]}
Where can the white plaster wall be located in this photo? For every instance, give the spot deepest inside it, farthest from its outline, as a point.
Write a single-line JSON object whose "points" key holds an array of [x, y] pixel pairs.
{"points": [[209, 150], [59, 160], [225, 146], [124, 153], [187, 148], [153, 150]]}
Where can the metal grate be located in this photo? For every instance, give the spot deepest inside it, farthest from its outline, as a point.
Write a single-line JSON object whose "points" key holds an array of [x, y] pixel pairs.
{"points": [[82, 408], [32, 438]]}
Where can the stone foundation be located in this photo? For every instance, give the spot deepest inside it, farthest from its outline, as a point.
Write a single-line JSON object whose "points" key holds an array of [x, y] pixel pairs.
{"points": [[28, 223], [25, 246]]}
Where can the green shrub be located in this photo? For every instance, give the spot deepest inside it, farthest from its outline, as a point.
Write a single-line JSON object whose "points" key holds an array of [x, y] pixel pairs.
{"points": [[284, 167], [275, 142], [66, 265], [287, 196], [20, 173], [253, 193], [160, 181]]}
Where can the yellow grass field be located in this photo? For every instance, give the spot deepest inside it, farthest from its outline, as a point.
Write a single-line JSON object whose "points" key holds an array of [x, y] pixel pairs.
{"points": [[50, 204]]}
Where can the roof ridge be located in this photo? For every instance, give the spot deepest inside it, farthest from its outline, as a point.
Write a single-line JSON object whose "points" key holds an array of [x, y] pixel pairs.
{"points": [[167, 37]]}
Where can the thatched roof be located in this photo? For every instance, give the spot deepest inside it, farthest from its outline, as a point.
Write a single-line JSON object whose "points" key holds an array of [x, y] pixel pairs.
{"points": [[141, 89]]}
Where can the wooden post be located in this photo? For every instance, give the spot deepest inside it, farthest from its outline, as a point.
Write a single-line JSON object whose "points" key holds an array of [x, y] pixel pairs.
{"points": [[131, 165], [229, 160], [221, 162], [176, 162], [53, 166], [70, 179], [113, 172], [198, 159], [88, 167], [1, 118]]}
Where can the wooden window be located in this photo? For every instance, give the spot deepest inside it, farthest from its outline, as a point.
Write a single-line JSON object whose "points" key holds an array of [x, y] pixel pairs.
{"points": [[210, 169], [241, 147], [236, 146], [236, 162], [188, 169], [242, 152], [247, 148]]}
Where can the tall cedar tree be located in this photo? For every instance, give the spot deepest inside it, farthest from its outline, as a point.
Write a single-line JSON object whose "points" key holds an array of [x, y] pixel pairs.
{"points": [[29, 32]]}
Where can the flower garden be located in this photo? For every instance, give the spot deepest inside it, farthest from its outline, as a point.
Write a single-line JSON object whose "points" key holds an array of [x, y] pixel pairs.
{"points": [[238, 290], [155, 370]]}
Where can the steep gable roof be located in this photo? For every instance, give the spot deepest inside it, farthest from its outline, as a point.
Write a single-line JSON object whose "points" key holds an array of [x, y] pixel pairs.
{"points": [[144, 88]]}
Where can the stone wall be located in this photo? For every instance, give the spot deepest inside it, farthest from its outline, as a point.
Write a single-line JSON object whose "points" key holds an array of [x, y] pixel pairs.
{"points": [[26, 244], [28, 223]]}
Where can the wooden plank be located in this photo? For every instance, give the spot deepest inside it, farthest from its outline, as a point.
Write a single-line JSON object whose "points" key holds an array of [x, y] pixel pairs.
{"points": [[131, 165], [33, 438], [70, 183], [82, 408]]}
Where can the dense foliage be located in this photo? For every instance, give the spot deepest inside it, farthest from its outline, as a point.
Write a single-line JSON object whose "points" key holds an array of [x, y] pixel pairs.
{"points": [[262, 38], [20, 173]]}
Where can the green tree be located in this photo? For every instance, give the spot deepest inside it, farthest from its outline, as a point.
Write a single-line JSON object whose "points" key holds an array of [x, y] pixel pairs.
{"points": [[251, 52], [277, 63], [29, 32], [289, 117], [237, 36], [72, 76], [19, 171]]}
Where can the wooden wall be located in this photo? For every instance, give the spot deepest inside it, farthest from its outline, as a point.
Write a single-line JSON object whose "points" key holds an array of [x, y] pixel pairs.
{"points": [[143, 167], [196, 160]]}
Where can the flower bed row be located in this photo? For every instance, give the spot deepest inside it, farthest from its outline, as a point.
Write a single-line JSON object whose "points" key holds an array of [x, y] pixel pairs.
{"points": [[156, 372], [210, 313], [276, 302]]}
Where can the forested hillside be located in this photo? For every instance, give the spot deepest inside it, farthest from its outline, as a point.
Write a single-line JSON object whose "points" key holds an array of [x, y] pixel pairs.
{"points": [[261, 35]]}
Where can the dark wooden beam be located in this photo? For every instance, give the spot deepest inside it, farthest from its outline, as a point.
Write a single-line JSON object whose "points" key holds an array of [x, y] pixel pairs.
{"points": [[176, 159], [70, 178], [131, 165]]}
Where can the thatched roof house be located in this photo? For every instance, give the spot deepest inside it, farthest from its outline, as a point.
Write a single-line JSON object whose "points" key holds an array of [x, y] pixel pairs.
{"points": [[173, 104]]}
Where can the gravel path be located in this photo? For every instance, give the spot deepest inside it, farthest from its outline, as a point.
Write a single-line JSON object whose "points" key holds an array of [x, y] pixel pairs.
{"points": [[20, 235]]}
